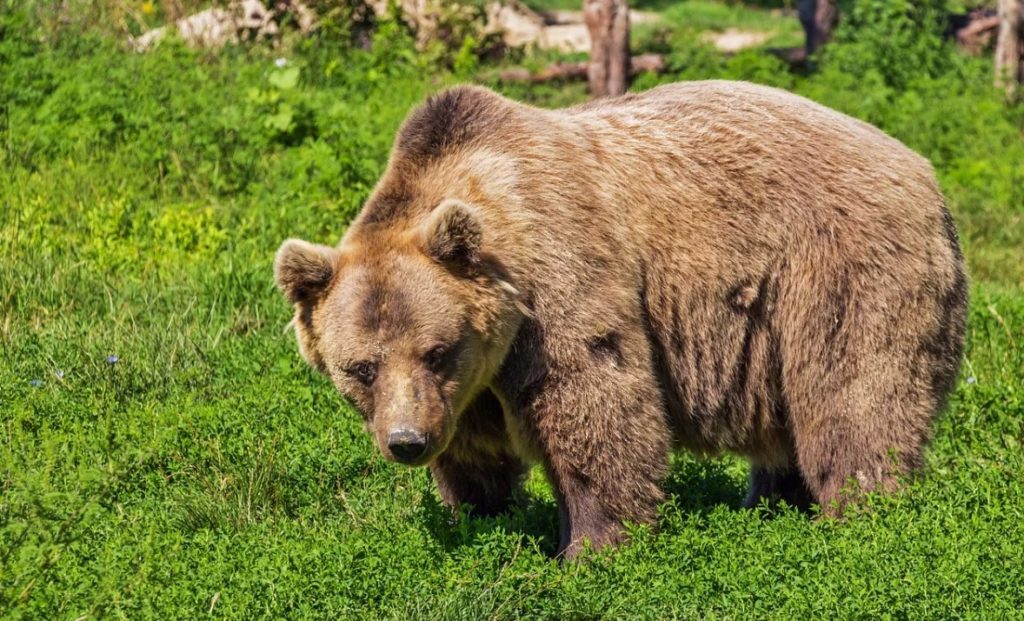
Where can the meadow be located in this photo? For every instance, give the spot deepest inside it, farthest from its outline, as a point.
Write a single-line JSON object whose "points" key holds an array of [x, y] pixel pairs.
{"points": [[165, 453]]}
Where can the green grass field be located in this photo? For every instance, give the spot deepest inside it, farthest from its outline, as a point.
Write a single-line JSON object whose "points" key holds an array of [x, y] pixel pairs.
{"points": [[164, 453]]}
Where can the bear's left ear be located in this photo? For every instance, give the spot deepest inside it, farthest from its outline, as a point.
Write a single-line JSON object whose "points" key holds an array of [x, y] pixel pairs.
{"points": [[453, 234], [303, 270]]}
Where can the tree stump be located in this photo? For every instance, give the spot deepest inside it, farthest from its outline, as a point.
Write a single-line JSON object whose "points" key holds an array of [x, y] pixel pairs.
{"points": [[608, 24], [1009, 46]]}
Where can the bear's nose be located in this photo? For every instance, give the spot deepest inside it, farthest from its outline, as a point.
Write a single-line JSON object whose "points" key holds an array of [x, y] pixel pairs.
{"points": [[407, 445]]}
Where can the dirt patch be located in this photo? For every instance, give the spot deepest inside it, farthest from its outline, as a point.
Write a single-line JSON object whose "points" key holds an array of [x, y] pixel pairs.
{"points": [[733, 40]]}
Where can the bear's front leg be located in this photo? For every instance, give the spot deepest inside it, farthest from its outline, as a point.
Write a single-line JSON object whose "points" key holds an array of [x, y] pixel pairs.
{"points": [[478, 468], [486, 484], [601, 425]]}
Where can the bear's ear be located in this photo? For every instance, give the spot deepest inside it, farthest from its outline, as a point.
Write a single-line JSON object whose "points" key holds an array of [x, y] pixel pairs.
{"points": [[453, 234], [303, 270]]}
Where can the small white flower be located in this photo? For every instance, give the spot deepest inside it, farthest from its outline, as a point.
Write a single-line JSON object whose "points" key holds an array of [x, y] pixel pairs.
{"points": [[280, 62], [972, 379]]}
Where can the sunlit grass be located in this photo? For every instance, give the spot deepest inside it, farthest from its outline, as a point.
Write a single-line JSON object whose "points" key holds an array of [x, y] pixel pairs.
{"points": [[206, 468]]}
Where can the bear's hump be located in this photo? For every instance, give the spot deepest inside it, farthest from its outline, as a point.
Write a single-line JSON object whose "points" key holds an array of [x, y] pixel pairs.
{"points": [[452, 119]]}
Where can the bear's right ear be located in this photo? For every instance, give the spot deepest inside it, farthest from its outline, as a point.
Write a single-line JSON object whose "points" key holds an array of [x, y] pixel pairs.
{"points": [[303, 270], [453, 234]]}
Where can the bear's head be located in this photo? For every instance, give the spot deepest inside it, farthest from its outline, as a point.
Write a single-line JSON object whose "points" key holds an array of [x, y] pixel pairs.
{"points": [[410, 323]]}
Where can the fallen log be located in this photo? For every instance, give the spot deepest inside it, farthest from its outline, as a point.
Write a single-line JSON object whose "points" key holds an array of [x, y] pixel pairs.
{"points": [[578, 70], [975, 31]]}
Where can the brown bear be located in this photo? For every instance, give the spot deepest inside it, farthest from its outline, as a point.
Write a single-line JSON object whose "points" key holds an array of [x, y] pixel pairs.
{"points": [[711, 265]]}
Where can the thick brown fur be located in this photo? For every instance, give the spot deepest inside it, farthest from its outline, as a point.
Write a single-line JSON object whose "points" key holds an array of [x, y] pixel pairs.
{"points": [[711, 265]]}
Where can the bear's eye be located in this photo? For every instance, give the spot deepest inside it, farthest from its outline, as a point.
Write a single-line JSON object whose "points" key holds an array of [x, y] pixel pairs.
{"points": [[437, 358], [364, 371]]}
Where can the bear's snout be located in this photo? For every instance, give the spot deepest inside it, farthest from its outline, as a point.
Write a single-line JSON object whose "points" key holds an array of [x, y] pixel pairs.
{"points": [[407, 445]]}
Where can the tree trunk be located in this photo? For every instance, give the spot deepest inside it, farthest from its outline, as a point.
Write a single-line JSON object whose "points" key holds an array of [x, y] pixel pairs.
{"points": [[608, 24], [819, 18], [1009, 47]]}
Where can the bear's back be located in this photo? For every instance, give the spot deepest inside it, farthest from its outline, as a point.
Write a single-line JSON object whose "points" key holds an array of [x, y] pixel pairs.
{"points": [[716, 158], [776, 116]]}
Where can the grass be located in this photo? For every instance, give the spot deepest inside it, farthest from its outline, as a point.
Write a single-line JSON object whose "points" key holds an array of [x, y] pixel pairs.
{"points": [[208, 472]]}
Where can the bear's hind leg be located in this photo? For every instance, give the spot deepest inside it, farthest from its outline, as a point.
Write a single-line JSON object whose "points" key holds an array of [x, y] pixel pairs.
{"points": [[776, 485], [844, 464], [869, 351], [864, 437]]}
